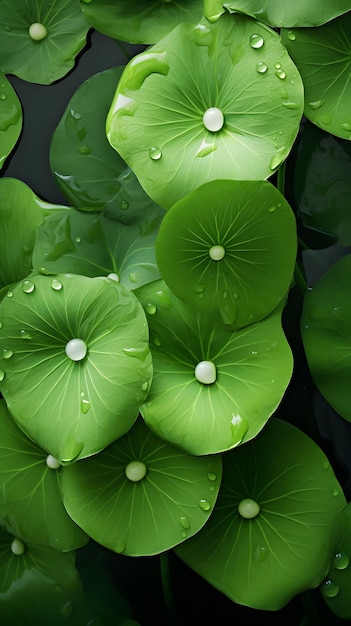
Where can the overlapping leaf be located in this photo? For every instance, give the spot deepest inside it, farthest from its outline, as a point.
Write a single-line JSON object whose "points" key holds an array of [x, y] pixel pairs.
{"points": [[10, 118]]}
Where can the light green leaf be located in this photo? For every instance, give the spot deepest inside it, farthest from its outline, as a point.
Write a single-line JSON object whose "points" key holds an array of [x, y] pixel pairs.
{"points": [[250, 370], [75, 361], [229, 247], [326, 335], [322, 56], [30, 498], [143, 21], [93, 245], [238, 75], [141, 496], [272, 532], [40, 40], [278, 13], [10, 118]]}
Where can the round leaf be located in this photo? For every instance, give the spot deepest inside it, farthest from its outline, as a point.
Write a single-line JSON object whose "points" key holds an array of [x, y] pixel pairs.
{"points": [[229, 247], [141, 513], [10, 118], [263, 556], [277, 13], [85, 166], [30, 499], [322, 56], [326, 334], [252, 368], [93, 245], [144, 21], [75, 361], [35, 56], [238, 69]]}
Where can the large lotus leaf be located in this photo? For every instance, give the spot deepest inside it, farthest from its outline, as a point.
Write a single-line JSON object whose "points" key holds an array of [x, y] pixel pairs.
{"points": [[326, 334], [336, 587], [10, 118], [229, 247], [36, 581], [143, 21], [93, 245], [21, 212], [272, 532], [75, 361], [249, 371], [84, 165], [208, 101], [323, 57], [277, 13], [322, 183], [141, 496], [40, 40], [30, 498]]}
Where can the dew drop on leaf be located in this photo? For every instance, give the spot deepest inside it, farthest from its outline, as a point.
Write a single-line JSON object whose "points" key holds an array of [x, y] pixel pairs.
{"points": [[256, 41], [155, 154], [76, 349]]}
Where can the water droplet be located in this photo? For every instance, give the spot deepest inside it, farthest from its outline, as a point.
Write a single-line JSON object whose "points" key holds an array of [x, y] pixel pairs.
{"points": [[272, 208], [24, 334], [329, 588], [124, 205], [157, 342], [138, 353], [28, 286], [248, 508], [324, 120], [113, 276], [261, 67], [213, 119], [119, 547], [135, 471], [2, 375], [341, 560], [67, 609], [290, 105], [163, 299], [216, 253], [325, 464], [52, 462], [212, 488], [346, 126], [280, 74], [184, 534], [205, 372], [291, 35], [78, 239], [256, 41], [84, 149], [56, 284], [7, 354], [37, 31], [204, 505], [74, 114], [315, 105], [261, 553], [44, 271], [275, 161], [0, 324], [277, 66], [85, 406], [3, 96], [76, 349], [184, 522], [134, 277], [9, 294], [17, 547], [155, 154], [151, 308], [144, 386], [205, 149], [335, 492]]}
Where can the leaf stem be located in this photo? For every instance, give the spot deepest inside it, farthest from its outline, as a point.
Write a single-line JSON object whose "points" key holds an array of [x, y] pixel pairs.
{"points": [[166, 587]]}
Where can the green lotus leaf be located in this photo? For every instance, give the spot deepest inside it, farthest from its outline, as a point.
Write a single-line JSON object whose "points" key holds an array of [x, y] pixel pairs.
{"points": [[141, 496], [326, 335], [277, 13], [35, 581], [322, 183], [40, 40], [209, 101], [336, 587], [30, 500], [75, 362], [143, 21], [272, 531], [212, 389], [83, 163], [21, 212], [10, 118], [93, 245], [322, 56], [229, 247]]}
